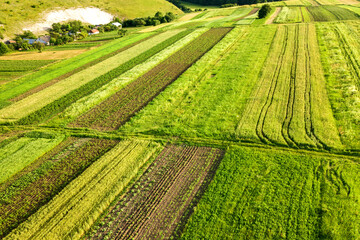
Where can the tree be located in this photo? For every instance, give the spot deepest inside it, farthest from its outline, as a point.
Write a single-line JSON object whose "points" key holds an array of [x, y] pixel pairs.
{"points": [[3, 48], [28, 34], [158, 15], [169, 16], [39, 46], [264, 10], [122, 32]]}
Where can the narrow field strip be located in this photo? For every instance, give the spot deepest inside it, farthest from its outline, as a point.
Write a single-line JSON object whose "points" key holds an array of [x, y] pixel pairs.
{"points": [[86, 103], [320, 14], [201, 103], [157, 202], [68, 74], [18, 154], [71, 160], [250, 18], [253, 11], [270, 194], [40, 99], [116, 110], [289, 15], [22, 85], [78, 205], [59, 105]]}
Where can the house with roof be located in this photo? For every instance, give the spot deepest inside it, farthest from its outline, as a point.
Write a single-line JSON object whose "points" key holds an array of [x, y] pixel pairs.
{"points": [[117, 24], [10, 42], [43, 39], [93, 31]]}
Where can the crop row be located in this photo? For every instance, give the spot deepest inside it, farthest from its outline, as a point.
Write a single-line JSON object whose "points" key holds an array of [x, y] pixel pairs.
{"points": [[268, 194], [117, 109], [60, 104], [76, 70], [288, 97], [79, 204], [86, 103], [26, 83], [71, 159], [164, 195]]}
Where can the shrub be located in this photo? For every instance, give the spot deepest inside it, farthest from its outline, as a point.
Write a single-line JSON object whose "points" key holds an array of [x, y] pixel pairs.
{"points": [[3, 48], [264, 10]]}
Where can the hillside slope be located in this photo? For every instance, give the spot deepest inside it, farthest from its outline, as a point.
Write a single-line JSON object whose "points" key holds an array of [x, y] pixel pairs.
{"points": [[15, 15]]}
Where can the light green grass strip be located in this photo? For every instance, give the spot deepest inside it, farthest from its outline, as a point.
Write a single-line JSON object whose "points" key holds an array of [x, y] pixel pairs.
{"points": [[79, 204], [38, 100], [289, 15], [24, 84], [18, 154], [115, 85]]}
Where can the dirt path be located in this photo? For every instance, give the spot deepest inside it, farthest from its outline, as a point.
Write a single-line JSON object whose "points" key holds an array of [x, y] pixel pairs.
{"points": [[46, 55], [189, 16], [272, 18]]}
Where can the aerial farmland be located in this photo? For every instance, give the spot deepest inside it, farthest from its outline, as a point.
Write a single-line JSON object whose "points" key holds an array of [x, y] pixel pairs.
{"points": [[218, 124]]}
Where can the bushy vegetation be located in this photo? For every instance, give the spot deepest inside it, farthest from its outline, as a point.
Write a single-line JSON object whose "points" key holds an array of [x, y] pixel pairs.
{"points": [[264, 10], [150, 21]]}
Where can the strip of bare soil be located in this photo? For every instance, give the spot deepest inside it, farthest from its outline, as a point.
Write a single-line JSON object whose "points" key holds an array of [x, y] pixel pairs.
{"points": [[156, 204], [272, 18]]}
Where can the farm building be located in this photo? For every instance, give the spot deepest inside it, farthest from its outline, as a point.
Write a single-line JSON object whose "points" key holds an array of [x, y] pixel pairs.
{"points": [[117, 24], [43, 39], [93, 31]]}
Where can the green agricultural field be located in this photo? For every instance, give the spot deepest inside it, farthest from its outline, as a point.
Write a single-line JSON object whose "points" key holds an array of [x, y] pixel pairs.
{"points": [[339, 45], [12, 69], [289, 15], [40, 99], [267, 194], [24, 84], [16, 155], [218, 125]]}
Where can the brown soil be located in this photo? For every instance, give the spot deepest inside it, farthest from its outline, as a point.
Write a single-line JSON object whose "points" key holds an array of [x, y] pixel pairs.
{"points": [[163, 197], [272, 18], [46, 55]]}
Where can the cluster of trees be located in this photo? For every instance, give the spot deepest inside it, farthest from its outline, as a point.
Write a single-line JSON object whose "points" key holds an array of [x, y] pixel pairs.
{"points": [[181, 6], [264, 10], [149, 21], [222, 2], [76, 30]]}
